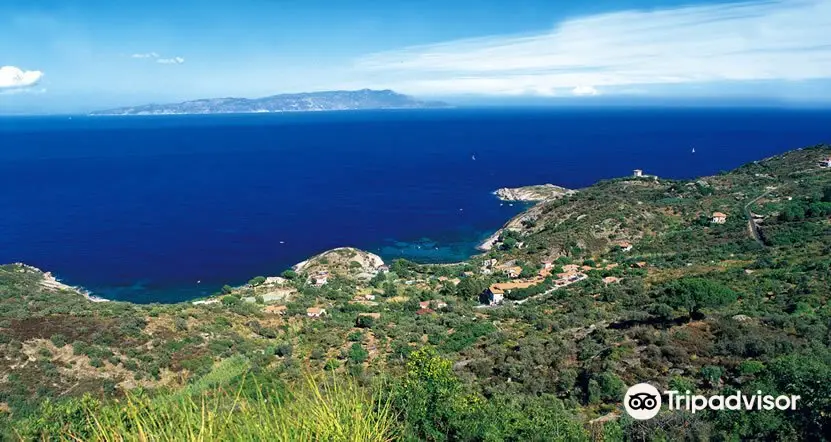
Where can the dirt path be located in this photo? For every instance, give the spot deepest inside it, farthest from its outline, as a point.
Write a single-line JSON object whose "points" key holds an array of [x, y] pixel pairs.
{"points": [[752, 226]]}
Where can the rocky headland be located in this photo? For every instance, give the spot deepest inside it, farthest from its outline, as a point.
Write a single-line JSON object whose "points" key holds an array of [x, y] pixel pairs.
{"points": [[533, 193]]}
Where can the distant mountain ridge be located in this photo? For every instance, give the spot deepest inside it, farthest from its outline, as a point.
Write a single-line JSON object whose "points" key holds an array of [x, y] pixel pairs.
{"points": [[364, 99]]}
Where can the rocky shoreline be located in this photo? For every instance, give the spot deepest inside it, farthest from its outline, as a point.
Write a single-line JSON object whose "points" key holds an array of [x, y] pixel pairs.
{"points": [[51, 282], [532, 193], [529, 194], [366, 260]]}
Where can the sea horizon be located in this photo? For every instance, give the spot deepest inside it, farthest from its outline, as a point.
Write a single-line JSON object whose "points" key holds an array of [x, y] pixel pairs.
{"points": [[548, 104], [240, 195]]}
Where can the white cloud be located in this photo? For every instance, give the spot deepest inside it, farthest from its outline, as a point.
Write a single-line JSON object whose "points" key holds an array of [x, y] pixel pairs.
{"points": [[767, 40], [27, 90], [15, 78], [146, 55], [174, 60], [157, 57], [585, 90]]}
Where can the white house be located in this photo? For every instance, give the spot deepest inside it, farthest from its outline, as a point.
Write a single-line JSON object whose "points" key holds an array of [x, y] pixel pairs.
{"points": [[825, 163], [719, 218], [492, 296], [206, 301], [638, 173]]}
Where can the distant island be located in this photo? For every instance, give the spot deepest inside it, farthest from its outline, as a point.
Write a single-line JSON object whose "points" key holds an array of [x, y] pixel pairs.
{"points": [[365, 99]]}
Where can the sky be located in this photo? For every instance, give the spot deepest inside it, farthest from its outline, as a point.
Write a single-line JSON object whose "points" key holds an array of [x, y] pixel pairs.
{"points": [[80, 55]]}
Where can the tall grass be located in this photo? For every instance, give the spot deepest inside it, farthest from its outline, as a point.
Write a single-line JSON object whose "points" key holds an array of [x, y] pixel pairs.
{"points": [[333, 410], [316, 409]]}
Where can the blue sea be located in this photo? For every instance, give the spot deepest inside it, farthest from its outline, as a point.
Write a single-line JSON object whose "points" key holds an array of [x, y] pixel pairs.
{"points": [[141, 208]]}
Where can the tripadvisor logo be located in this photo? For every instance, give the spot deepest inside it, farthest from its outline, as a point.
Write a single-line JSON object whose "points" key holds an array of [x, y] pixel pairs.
{"points": [[643, 401]]}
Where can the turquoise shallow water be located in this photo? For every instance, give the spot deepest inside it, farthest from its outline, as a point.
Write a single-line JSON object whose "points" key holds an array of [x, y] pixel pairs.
{"points": [[141, 208]]}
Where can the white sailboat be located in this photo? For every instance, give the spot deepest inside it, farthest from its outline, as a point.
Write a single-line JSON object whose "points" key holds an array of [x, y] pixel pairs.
{"points": [[693, 151]]}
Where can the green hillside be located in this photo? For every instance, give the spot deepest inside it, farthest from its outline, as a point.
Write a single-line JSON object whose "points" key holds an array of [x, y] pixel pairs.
{"points": [[693, 305]]}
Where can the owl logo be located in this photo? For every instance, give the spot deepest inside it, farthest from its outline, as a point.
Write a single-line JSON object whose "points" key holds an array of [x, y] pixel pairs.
{"points": [[642, 401]]}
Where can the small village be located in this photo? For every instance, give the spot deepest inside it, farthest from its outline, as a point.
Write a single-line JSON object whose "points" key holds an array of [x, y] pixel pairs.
{"points": [[274, 291], [495, 294]]}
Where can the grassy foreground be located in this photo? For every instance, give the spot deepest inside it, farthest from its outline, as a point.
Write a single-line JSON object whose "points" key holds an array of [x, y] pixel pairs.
{"points": [[332, 409], [235, 403], [335, 411]]}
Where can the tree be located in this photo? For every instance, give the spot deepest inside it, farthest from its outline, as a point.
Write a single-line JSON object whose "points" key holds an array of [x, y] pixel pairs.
{"points": [[605, 387], [378, 279], [808, 377], [357, 354], [429, 395], [661, 310], [289, 274], [331, 365], [59, 340], [470, 288], [509, 243], [528, 271], [403, 268], [390, 290], [818, 209], [712, 374], [180, 323], [254, 282], [803, 375], [694, 294], [283, 350], [230, 300], [364, 321]]}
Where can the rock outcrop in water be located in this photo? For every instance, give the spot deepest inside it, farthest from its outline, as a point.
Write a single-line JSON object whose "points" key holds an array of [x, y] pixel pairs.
{"points": [[543, 192], [533, 193]]}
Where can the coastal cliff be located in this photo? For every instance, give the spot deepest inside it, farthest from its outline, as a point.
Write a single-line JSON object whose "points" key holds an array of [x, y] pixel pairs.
{"points": [[531, 194], [344, 261], [514, 224], [49, 282]]}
